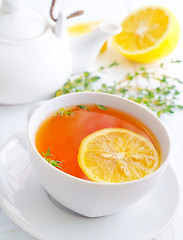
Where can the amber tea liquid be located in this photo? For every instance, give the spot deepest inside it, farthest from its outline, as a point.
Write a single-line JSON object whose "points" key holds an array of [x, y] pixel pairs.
{"points": [[62, 134]]}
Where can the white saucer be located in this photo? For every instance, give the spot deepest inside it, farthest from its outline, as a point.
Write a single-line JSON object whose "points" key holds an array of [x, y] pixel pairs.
{"points": [[26, 202]]}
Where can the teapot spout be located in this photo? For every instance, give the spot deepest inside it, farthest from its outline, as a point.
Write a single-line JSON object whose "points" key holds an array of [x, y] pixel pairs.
{"points": [[86, 48]]}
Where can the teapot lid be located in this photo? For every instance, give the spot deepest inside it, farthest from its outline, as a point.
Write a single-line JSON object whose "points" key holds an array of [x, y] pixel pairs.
{"points": [[18, 22]]}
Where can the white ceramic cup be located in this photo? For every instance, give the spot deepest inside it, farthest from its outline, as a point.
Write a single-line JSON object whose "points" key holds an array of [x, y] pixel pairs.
{"points": [[89, 198]]}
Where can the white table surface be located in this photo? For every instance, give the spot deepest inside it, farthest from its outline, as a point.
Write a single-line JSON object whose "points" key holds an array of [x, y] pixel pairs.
{"points": [[14, 118]]}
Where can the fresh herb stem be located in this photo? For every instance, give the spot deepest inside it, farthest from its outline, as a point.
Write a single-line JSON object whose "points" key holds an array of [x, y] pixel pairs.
{"points": [[63, 111], [49, 160], [154, 89]]}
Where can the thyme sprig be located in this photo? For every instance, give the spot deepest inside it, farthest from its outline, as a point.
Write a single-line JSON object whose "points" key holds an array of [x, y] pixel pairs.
{"points": [[63, 111], [83, 82], [153, 88], [49, 160]]}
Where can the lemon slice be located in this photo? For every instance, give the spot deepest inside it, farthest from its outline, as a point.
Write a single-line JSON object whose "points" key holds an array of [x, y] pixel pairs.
{"points": [[114, 155], [149, 34], [80, 29]]}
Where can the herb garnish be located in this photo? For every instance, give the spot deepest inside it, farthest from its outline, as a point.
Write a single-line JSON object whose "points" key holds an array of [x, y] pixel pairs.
{"points": [[101, 107], [83, 107], [82, 82], [63, 111], [49, 160], [156, 90]]}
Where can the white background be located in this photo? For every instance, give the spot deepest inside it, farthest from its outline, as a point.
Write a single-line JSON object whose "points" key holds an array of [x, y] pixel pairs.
{"points": [[14, 118]]}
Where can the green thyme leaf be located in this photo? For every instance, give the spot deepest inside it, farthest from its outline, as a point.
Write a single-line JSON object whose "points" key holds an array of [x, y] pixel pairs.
{"points": [[142, 69], [161, 65], [101, 107], [56, 164], [176, 61], [47, 154], [113, 64], [83, 107]]}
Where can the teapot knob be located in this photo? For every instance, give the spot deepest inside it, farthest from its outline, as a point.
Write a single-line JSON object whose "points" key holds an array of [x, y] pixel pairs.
{"points": [[11, 6], [60, 28]]}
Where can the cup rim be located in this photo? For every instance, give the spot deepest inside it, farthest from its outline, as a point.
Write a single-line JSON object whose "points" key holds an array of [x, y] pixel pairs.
{"points": [[52, 168]]}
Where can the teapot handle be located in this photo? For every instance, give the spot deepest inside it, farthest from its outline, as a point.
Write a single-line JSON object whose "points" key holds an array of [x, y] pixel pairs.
{"points": [[74, 14], [11, 6]]}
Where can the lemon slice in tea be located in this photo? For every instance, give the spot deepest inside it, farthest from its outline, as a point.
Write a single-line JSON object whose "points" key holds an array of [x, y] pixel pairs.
{"points": [[114, 155]]}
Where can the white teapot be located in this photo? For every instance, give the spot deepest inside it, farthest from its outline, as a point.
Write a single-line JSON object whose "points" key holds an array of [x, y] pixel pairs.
{"points": [[35, 53]]}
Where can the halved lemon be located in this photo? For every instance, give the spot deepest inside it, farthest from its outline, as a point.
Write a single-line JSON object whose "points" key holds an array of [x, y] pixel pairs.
{"points": [[114, 155], [149, 34], [80, 29]]}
